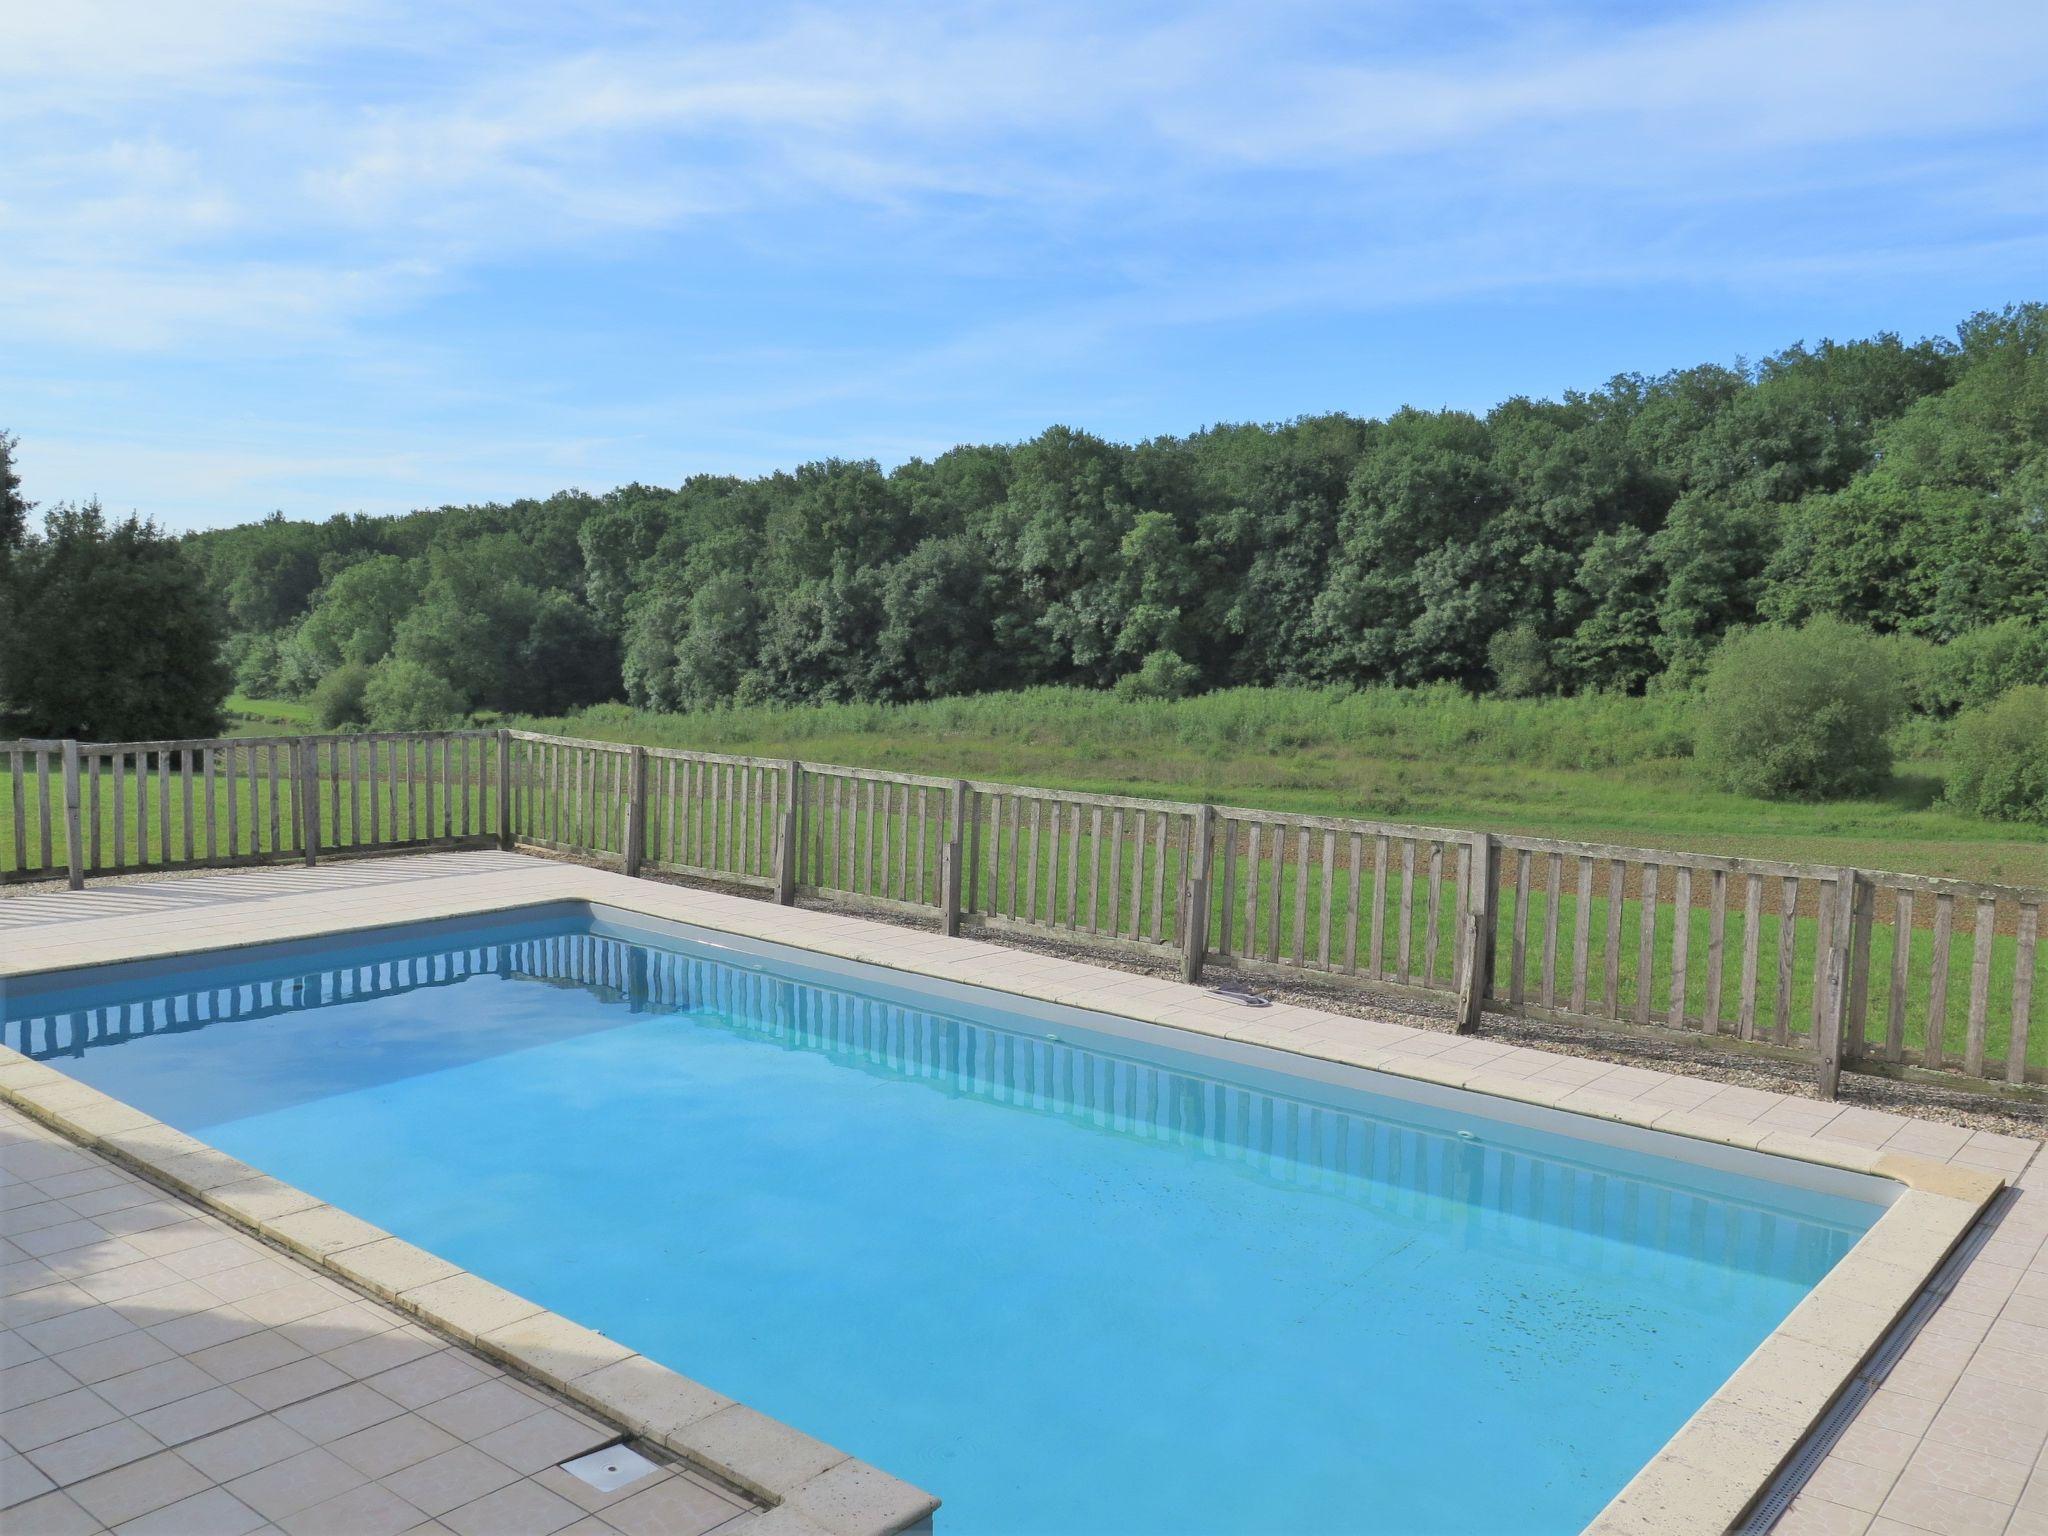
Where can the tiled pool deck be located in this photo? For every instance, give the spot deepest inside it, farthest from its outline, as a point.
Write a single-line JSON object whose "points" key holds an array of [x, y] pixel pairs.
{"points": [[161, 1372], [1952, 1442]]}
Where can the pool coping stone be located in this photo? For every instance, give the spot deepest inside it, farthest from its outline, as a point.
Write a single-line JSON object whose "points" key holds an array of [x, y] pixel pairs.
{"points": [[1704, 1479]]}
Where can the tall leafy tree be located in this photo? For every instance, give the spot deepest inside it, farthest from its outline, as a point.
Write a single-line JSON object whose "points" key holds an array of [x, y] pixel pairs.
{"points": [[111, 633], [14, 507]]}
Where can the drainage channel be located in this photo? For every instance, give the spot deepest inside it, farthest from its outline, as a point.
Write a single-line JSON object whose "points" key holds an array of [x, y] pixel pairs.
{"points": [[1805, 1460]]}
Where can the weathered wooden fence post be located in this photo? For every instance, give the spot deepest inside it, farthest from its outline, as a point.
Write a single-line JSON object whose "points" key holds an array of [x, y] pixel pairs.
{"points": [[952, 859], [1194, 915], [1836, 982], [1475, 979], [74, 837], [1858, 991], [636, 810], [505, 789], [308, 767], [786, 834]]}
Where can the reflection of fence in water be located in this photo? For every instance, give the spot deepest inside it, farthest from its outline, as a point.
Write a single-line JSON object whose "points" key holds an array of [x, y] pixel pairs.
{"points": [[1575, 1213], [569, 960]]}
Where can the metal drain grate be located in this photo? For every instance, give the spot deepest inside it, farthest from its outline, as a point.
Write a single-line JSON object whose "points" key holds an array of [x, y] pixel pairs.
{"points": [[1864, 1384], [611, 1468]]}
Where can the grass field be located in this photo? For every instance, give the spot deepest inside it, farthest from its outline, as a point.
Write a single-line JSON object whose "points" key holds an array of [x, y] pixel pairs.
{"points": [[1601, 770], [267, 717]]}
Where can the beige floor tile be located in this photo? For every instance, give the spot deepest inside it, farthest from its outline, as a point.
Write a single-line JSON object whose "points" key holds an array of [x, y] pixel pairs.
{"points": [[295, 1483], [34, 1380], [333, 1415], [33, 1425], [77, 1457], [20, 1480], [678, 1507], [476, 1411], [396, 1443], [369, 1510], [51, 1515], [139, 1487], [291, 1383], [450, 1480], [432, 1377], [215, 1512], [246, 1447], [523, 1508], [109, 1357], [200, 1414], [155, 1385]]}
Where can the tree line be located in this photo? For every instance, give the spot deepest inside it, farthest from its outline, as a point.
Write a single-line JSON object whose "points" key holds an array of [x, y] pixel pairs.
{"points": [[1609, 540]]}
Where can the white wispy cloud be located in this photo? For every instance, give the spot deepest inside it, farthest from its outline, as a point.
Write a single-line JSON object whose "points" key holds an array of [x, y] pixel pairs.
{"points": [[268, 179]]}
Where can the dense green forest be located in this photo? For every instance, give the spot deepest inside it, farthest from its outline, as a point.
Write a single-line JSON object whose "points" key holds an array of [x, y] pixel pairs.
{"points": [[1603, 541], [1606, 542]]}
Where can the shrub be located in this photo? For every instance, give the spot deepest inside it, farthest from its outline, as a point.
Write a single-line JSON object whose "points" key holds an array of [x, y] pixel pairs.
{"points": [[403, 695], [338, 699], [1998, 757], [1519, 658], [1982, 665], [1799, 713], [1163, 675]]}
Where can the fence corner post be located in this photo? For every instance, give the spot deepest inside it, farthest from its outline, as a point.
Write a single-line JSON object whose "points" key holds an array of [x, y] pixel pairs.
{"points": [[74, 849], [309, 798], [636, 811], [1838, 984], [1194, 917], [1476, 943], [952, 859], [505, 789], [786, 834]]}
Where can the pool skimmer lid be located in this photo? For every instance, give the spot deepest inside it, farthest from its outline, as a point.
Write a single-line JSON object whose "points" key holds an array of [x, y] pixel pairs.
{"points": [[611, 1468]]}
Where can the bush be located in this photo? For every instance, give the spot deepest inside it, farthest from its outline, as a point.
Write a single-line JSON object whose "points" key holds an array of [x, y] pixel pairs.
{"points": [[338, 699], [1519, 658], [402, 695], [1998, 757], [1163, 675], [1799, 713], [1980, 666]]}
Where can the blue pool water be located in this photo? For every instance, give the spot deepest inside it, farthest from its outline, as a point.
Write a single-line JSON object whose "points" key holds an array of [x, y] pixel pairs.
{"points": [[1069, 1278]]}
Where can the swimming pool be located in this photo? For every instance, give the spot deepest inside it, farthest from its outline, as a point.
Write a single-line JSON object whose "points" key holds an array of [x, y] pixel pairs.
{"points": [[1070, 1273]]}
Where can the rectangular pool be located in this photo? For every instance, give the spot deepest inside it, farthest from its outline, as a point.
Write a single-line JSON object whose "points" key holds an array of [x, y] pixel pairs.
{"points": [[1070, 1273]]}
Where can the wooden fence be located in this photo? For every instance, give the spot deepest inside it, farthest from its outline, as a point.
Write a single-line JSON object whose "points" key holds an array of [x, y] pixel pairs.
{"points": [[78, 809], [1899, 974]]}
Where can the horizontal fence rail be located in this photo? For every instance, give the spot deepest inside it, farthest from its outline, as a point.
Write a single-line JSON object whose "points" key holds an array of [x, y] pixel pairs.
{"points": [[1852, 969]]}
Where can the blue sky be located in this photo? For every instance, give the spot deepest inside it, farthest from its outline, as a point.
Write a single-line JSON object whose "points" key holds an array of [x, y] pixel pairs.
{"points": [[343, 256]]}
